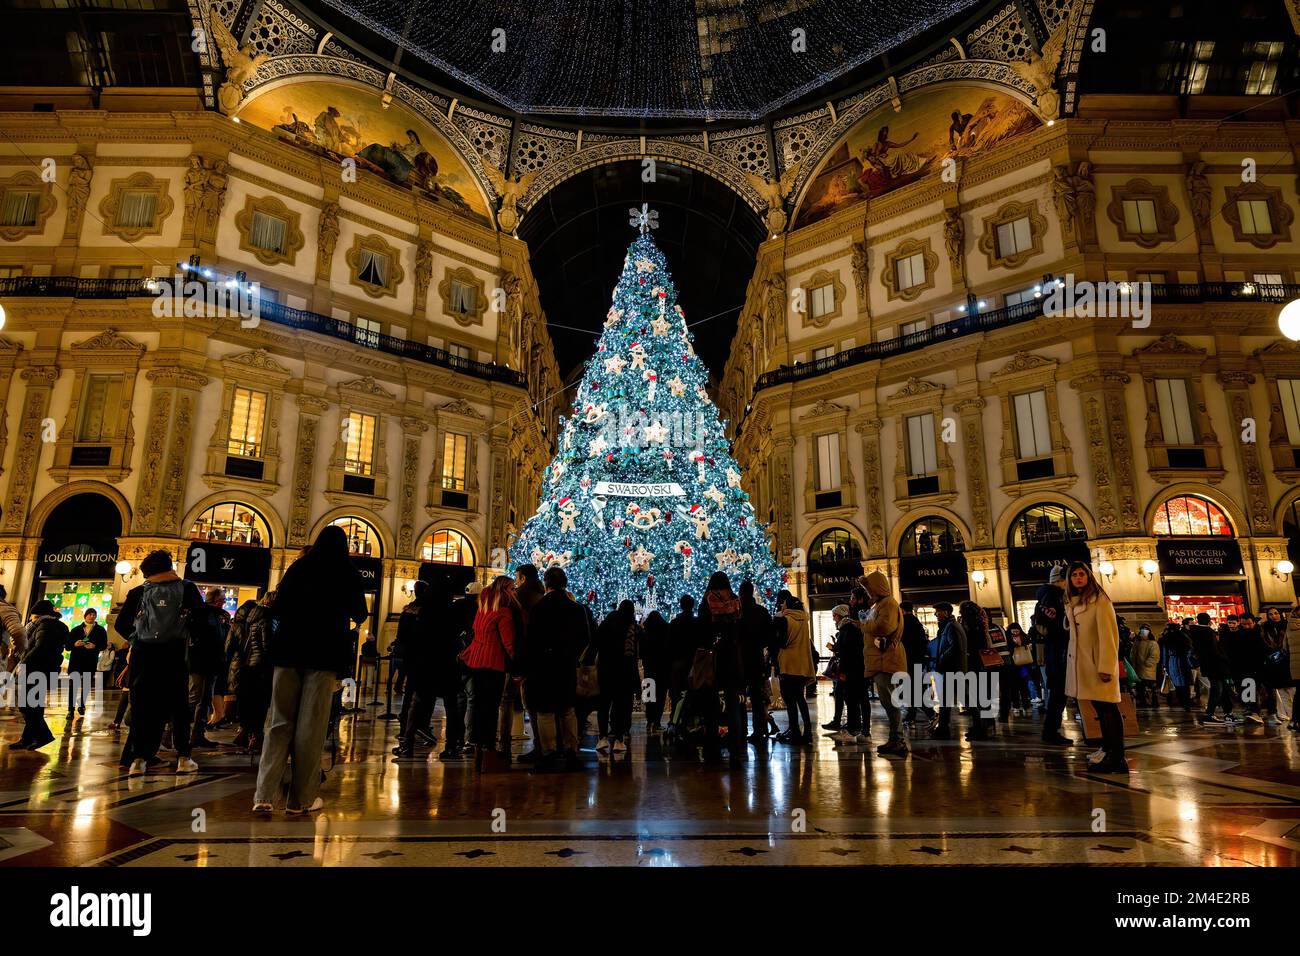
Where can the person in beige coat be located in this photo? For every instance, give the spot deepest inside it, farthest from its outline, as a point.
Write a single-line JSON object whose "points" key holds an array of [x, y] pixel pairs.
{"points": [[795, 662], [883, 656], [1145, 658], [1092, 665]]}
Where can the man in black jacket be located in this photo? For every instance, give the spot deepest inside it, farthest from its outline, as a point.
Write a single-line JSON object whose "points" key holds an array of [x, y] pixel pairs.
{"points": [[558, 633], [756, 630], [916, 645], [950, 660], [85, 642], [1215, 668], [207, 649], [682, 640], [429, 652], [158, 672], [39, 673], [1049, 622]]}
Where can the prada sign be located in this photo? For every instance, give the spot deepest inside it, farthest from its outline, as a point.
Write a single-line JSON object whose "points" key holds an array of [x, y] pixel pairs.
{"points": [[833, 577], [946, 570], [211, 562], [84, 559], [1197, 557]]}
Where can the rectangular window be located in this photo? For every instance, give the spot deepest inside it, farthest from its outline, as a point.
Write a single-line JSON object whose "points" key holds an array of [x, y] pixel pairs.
{"points": [[247, 420], [1256, 219], [1023, 296], [367, 331], [822, 301], [909, 271], [1261, 80], [1155, 278], [1175, 411], [1033, 432], [1014, 237], [1202, 54], [921, 457], [463, 298], [101, 408], [826, 351], [11, 272], [126, 272], [455, 448], [1140, 217], [907, 328], [19, 207], [828, 462], [359, 448], [462, 352], [267, 233], [1289, 389], [374, 268], [1268, 279], [136, 209]]}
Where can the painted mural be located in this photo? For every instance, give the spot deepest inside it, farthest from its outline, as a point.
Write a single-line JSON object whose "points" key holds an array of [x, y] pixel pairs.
{"points": [[889, 150], [340, 121]]}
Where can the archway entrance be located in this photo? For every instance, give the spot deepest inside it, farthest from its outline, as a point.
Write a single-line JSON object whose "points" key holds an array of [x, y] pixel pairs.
{"points": [[75, 563], [1200, 559], [230, 548]]}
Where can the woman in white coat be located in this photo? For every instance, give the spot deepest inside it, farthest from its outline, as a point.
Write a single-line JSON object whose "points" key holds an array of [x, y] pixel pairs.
{"points": [[1092, 665]]}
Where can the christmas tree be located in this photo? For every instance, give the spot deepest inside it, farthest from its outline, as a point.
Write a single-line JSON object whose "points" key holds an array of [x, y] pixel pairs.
{"points": [[643, 500]]}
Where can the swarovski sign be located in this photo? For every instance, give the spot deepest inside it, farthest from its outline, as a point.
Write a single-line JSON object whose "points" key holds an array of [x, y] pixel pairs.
{"points": [[631, 489]]}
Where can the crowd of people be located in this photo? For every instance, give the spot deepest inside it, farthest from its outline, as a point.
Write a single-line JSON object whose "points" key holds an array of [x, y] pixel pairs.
{"points": [[708, 680]]}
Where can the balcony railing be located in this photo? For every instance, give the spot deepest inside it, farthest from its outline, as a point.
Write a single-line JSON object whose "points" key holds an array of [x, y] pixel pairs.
{"points": [[1161, 294], [73, 288]]}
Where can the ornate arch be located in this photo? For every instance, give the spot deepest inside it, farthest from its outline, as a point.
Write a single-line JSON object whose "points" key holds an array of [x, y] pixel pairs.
{"points": [[309, 67], [365, 514], [260, 505], [830, 524], [990, 74], [1002, 529], [1291, 495], [37, 517], [1240, 524], [452, 524], [602, 154], [912, 517]]}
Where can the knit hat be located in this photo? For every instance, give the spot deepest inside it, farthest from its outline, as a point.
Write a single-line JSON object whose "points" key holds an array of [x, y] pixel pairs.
{"points": [[1054, 576], [840, 610]]}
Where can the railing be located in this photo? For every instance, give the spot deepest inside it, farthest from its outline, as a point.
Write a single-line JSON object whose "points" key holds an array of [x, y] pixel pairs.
{"points": [[1161, 294], [74, 288]]}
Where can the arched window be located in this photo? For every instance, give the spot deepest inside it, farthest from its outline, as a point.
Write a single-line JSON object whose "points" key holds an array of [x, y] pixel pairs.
{"points": [[1190, 516], [1046, 524], [363, 539], [834, 544], [933, 535], [447, 547], [232, 523]]}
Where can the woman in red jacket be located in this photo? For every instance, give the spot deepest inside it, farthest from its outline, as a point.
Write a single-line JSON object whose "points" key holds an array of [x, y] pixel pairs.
{"points": [[488, 657]]}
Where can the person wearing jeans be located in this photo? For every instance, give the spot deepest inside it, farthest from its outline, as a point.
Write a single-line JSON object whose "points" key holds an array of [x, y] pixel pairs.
{"points": [[486, 657], [316, 604]]}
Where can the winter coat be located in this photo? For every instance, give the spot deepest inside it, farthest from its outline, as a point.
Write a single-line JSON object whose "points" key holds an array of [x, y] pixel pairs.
{"points": [[882, 631], [720, 627], [557, 636], [1094, 650], [1174, 649], [46, 638], [756, 630], [316, 604], [1210, 657], [653, 647], [208, 641], [795, 659], [494, 640], [84, 659], [915, 644], [1146, 657], [848, 648], [1051, 624], [236, 639], [950, 654]]}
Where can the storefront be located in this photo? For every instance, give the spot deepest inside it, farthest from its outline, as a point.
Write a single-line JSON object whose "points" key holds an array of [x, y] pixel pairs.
{"points": [[834, 566], [932, 567], [446, 556], [230, 548], [367, 550], [75, 562], [1201, 569], [1042, 537]]}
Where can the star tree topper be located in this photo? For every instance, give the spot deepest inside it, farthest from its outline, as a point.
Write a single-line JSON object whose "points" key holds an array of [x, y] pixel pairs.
{"points": [[644, 218]]}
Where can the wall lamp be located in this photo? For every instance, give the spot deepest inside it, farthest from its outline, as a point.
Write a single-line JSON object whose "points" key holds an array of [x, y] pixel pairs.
{"points": [[1149, 569], [1107, 570], [981, 581], [1283, 569]]}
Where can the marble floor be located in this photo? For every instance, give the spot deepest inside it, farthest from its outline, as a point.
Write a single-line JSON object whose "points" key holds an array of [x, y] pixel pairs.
{"points": [[1216, 796]]}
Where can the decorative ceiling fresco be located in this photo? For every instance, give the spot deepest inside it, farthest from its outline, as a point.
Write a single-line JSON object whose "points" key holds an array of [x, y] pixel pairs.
{"points": [[341, 121], [889, 149]]}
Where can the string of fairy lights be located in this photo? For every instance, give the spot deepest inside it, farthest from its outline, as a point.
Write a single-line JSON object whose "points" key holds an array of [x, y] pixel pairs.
{"points": [[720, 59]]}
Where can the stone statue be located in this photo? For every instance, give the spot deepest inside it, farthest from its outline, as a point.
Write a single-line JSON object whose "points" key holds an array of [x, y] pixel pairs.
{"points": [[195, 176], [1040, 72], [774, 194], [78, 186], [240, 65], [327, 234], [1076, 199], [954, 240], [510, 191], [1199, 193], [861, 269], [423, 269]]}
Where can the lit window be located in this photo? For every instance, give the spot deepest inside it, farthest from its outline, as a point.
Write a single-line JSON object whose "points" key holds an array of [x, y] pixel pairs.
{"points": [[822, 301], [826, 351], [1289, 389], [268, 233], [921, 458], [455, 448], [362, 538], [1256, 219], [232, 523], [1175, 411], [101, 407], [447, 547], [1140, 217], [1033, 433], [247, 419], [1269, 279], [907, 328], [463, 298], [367, 331], [828, 462], [1190, 516], [359, 450], [126, 272], [11, 272], [931, 536], [1202, 54], [136, 209], [910, 271], [1261, 79], [1025, 295], [1155, 278], [1014, 238], [19, 207], [462, 352]]}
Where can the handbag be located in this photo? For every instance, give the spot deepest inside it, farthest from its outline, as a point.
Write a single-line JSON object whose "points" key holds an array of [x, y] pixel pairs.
{"points": [[833, 671], [990, 659], [1167, 685], [1022, 656], [704, 670], [105, 661], [777, 701], [1130, 672]]}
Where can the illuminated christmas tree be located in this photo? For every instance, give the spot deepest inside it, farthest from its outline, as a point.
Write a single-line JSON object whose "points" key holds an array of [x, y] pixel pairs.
{"points": [[643, 500]]}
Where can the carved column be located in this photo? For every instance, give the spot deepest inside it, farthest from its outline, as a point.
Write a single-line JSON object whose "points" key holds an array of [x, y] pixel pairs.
{"points": [[40, 381], [1236, 387], [873, 494], [412, 429], [1109, 451], [783, 459], [310, 409], [184, 385], [499, 446], [972, 426]]}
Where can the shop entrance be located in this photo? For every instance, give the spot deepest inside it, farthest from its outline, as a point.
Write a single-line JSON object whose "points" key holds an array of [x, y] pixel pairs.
{"points": [[75, 563], [1201, 569], [231, 549]]}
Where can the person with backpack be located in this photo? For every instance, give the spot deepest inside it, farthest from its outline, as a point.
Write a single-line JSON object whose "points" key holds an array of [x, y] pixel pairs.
{"points": [[316, 604], [155, 618], [38, 673], [720, 631], [207, 648]]}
